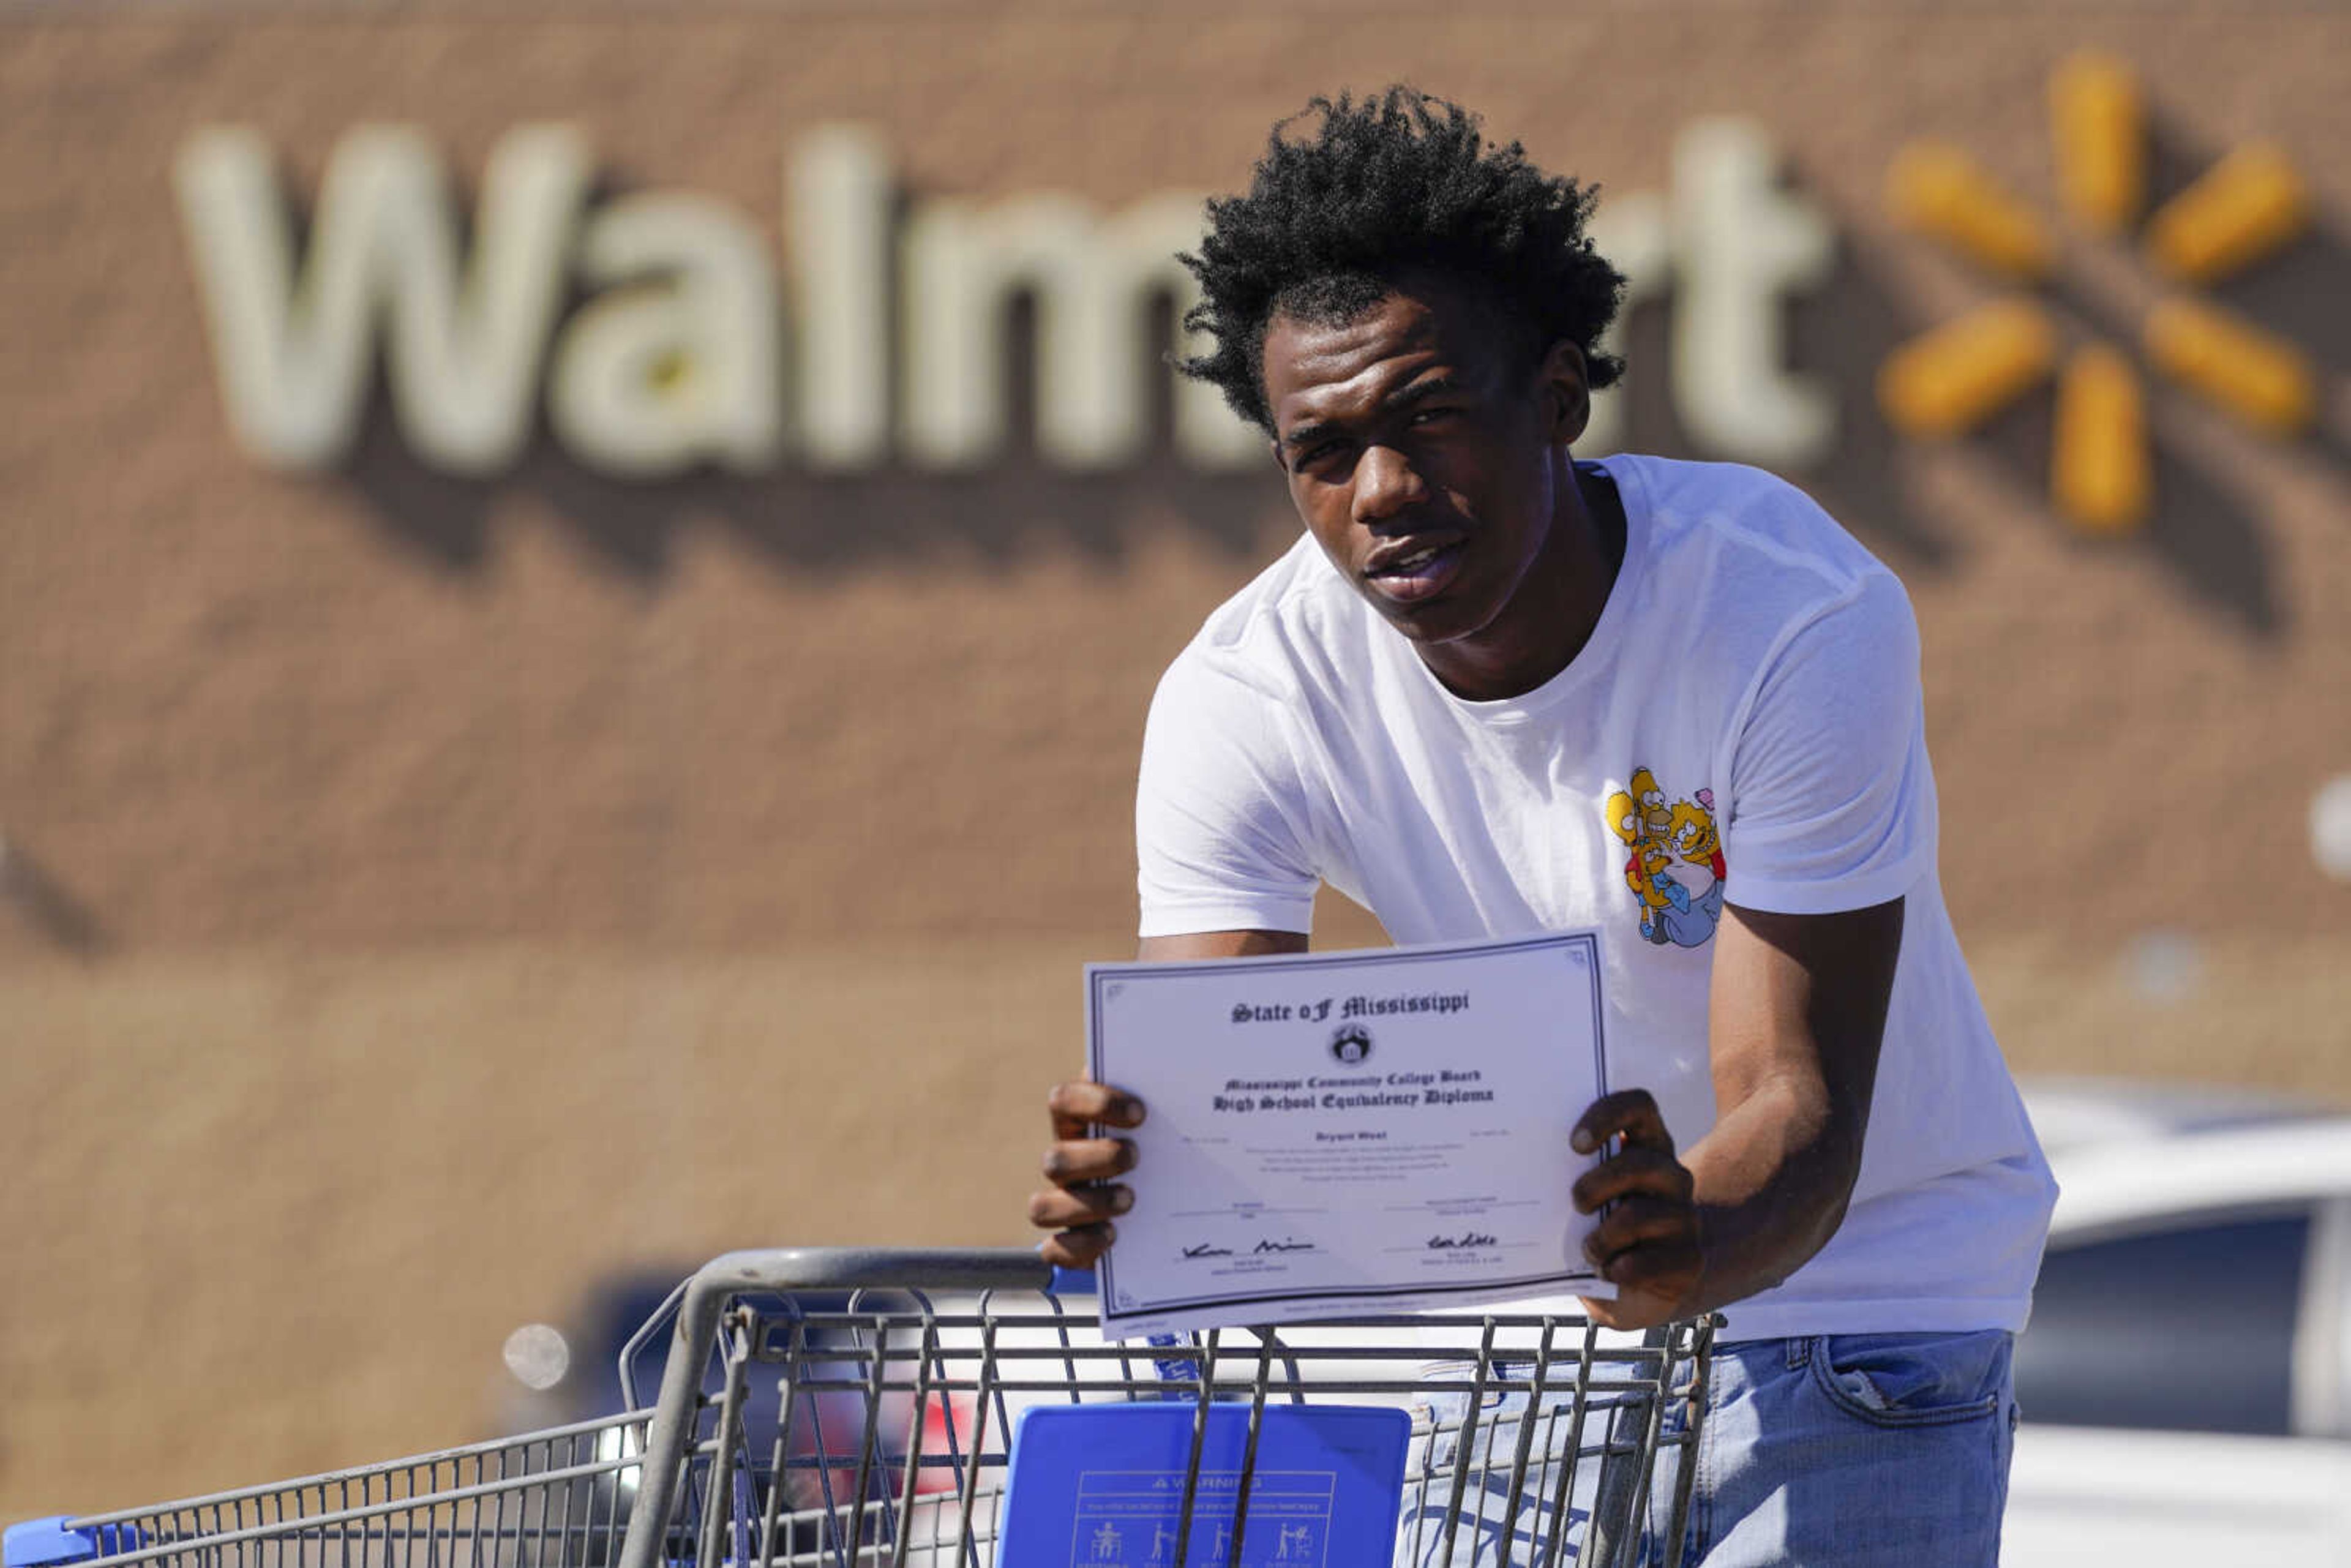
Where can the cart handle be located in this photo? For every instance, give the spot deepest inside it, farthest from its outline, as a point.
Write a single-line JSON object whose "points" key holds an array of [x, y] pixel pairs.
{"points": [[1062, 1283], [701, 1301]]}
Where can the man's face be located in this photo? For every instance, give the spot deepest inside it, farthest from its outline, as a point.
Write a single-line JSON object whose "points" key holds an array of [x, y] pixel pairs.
{"points": [[1426, 456]]}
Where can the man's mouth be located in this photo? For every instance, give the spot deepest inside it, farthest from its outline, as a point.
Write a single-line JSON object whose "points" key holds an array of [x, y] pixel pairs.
{"points": [[1410, 571]]}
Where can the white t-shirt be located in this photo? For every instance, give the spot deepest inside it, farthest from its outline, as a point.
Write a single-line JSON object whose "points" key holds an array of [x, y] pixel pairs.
{"points": [[1745, 721]]}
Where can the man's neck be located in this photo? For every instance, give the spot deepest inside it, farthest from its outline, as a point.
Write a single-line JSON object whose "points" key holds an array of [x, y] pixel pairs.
{"points": [[1558, 604]]}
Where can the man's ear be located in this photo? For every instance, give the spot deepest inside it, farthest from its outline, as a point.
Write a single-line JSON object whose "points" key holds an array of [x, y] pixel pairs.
{"points": [[1567, 396]]}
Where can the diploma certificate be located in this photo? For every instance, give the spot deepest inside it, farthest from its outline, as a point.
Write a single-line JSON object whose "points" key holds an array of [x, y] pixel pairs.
{"points": [[1344, 1134]]}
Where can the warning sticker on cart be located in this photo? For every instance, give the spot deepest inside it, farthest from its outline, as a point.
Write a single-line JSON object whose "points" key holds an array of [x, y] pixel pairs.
{"points": [[1102, 1486], [1129, 1517]]}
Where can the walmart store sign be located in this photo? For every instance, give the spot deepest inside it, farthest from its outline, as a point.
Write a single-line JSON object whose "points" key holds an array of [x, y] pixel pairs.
{"points": [[693, 347]]}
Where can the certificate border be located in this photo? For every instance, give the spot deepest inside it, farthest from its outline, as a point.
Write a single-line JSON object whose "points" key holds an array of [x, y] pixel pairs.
{"points": [[1099, 975]]}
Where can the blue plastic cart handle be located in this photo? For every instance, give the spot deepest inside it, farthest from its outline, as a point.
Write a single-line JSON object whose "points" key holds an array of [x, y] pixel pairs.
{"points": [[38, 1543]]}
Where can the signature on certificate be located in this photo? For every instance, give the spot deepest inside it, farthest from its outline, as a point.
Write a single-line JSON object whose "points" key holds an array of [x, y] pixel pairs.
{"points": [[1460, 1243], [1265, 1245]]}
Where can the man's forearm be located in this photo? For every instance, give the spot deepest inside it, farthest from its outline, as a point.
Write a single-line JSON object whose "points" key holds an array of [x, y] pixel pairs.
{"points": [[1771, 1181]]}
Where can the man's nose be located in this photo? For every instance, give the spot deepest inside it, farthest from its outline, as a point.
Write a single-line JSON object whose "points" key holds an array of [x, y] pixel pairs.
{"points": [[1386, 485]]}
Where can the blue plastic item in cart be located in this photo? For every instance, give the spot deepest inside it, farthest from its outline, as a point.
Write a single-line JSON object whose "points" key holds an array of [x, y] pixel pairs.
{"points": [[50, 1543], [1102, 1486]]}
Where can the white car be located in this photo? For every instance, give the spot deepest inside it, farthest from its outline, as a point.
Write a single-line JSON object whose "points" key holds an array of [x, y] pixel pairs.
{"points": [[2185, 1379]]}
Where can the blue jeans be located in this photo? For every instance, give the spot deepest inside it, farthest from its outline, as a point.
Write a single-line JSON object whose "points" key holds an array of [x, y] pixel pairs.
{"points": [[1835, 1451]]}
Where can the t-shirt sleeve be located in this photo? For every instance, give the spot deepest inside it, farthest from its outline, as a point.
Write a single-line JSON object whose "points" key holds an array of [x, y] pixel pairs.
{"points": [[1216, 843], [1832, 803]]}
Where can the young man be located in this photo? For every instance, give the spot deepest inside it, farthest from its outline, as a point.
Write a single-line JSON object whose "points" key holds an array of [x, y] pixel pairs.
{"points": [[1496, 689]]}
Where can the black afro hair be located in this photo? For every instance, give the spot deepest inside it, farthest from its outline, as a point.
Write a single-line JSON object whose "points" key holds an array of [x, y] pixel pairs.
{"points": [[1394, 186]]}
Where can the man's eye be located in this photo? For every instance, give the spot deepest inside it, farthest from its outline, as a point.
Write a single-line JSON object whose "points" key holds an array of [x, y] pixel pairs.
{"points": [[1431, 416]]}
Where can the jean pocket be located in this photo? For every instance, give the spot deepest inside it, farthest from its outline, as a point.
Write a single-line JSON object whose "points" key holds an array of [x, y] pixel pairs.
{"points": [[1913, 1379]]}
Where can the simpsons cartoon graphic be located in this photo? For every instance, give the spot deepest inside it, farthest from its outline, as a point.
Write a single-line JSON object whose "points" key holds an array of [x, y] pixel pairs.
{"points": [[1676, 869], [1639, 818]]}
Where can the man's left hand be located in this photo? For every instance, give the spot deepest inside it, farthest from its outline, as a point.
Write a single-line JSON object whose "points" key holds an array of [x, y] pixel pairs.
{"points": [[1646, 1243]]}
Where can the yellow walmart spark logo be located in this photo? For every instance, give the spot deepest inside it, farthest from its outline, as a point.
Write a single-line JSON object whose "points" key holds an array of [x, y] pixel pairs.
{"points": [[2244, 208]]}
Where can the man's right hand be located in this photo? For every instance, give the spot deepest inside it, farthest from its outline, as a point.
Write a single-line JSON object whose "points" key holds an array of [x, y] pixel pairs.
{"points": [[1078, 1207]]}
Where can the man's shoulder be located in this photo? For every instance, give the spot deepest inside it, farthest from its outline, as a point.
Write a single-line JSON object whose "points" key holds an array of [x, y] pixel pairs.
{"points": [[1742, 527], [1289, 618]]}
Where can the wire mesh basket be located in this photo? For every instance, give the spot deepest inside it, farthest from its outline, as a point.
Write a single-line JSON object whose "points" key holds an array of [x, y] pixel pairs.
{"points": [[857, 1408]]}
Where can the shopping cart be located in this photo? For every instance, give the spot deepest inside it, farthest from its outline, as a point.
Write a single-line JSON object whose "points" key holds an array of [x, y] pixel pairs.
{"points": [[854, 1408]]}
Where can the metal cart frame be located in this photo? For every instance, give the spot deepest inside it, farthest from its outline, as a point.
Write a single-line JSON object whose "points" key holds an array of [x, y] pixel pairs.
{"points": [[883, 1437]]}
